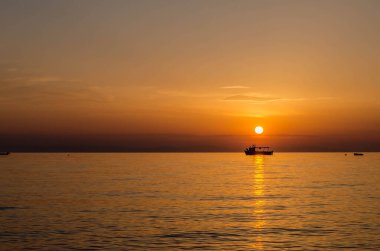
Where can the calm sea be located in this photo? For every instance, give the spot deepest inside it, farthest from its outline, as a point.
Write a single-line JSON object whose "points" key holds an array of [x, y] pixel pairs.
{"points": [[190, 201]]}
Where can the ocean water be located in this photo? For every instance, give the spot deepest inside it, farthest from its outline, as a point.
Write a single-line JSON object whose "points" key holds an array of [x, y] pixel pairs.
{"points": [[190, 201]]}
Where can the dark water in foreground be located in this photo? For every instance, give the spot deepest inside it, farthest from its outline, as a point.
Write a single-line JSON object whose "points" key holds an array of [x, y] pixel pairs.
{"points": [[289, 201]]}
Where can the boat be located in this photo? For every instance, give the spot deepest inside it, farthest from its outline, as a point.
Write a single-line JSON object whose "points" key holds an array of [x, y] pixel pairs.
{"points": [[358, 154], [5, 153], [258, 150]]}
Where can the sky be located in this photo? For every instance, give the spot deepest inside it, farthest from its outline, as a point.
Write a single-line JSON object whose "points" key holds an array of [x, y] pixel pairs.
{"points": [[189, 75]]}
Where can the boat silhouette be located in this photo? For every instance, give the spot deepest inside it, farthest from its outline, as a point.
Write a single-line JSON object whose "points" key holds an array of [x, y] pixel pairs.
{"points": [[258, 150]]}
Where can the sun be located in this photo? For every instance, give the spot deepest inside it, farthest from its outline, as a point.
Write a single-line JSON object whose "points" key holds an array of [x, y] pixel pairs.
{"points": [[259, 129]]}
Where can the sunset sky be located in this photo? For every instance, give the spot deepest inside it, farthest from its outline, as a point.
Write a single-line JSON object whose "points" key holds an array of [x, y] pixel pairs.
{"points": [[189, 75]]}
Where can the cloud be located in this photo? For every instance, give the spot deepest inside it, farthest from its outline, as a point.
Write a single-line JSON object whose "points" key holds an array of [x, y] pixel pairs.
{"points": [[164, 92], [235, 87], [49, 79], [11, 69], [184, 94], [39, 88], [259, 99]]}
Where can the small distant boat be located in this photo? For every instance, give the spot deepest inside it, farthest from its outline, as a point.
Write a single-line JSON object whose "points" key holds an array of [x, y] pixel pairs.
{"points": [[258, 150], [358, 154], [5, 153]]}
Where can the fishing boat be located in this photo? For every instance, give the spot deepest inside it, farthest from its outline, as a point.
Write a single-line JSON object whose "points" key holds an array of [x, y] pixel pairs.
{"points": [[4, 153], [258, 150]]}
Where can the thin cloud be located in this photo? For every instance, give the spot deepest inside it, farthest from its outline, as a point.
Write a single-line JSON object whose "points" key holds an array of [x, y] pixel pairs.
{"points": [[43, 88], [180, 93], [49, 79], [235, 87], [11, 69], [259, 99]]}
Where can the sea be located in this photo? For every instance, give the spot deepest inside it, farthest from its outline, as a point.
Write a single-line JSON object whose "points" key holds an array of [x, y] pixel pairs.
{"points": [[189, 201]]}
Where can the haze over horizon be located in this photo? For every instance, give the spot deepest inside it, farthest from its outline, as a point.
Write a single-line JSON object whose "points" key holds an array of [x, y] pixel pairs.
{"points": [[189, 75]]}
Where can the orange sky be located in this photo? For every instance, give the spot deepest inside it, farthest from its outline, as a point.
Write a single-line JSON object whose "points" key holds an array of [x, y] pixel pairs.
{"points": [[189, 75]]}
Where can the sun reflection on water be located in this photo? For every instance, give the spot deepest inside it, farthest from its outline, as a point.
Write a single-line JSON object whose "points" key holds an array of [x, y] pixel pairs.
{"points": [[259, 204]]}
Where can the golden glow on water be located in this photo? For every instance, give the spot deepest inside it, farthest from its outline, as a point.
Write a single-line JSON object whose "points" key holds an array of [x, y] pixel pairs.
{"points": [[211, 201], [258, 177], [259, 204]]}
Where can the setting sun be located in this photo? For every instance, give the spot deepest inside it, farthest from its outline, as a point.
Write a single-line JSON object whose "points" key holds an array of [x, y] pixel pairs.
{"points": [[259, 129]]}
